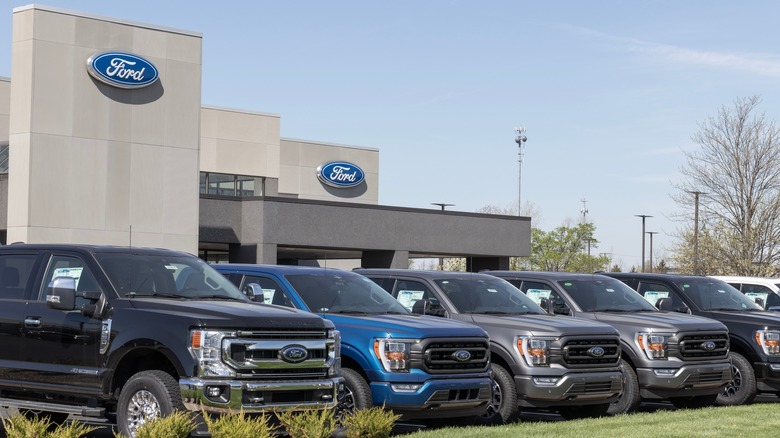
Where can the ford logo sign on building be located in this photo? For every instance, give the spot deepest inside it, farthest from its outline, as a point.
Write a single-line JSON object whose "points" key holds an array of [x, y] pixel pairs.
{"points": [[122, 70], [340, 174]]}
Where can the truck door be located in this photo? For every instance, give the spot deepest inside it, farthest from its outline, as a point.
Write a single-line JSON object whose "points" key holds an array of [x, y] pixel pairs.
{"points": [[15, 277], [61, 347]]}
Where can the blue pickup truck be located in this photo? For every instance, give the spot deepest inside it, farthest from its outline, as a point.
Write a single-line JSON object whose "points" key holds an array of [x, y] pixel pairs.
{"points": [[418, 366]]}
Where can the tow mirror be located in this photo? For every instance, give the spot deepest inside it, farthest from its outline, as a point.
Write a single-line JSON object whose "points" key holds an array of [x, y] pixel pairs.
{"points": [[254, 292], [428, 307], [760, 302], [61, 293]]}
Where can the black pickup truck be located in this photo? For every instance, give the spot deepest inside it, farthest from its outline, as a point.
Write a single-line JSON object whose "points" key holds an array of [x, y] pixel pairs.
{"points": [[137, 333]]}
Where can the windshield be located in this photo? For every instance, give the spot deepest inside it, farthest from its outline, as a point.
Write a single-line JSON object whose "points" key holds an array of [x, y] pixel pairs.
{"points": [[605, 295], [173, 276], [487, 295], [344, 293], [711, 294]]}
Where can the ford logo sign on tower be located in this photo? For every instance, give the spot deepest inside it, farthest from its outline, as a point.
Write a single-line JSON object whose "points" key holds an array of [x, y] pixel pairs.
{"points": [[340, 174], [122, 70]]}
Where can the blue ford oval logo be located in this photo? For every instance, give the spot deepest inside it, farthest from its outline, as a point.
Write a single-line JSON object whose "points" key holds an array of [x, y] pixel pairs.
{"points": [[461, 355], [708, 346], [120, 69], [340, 174], [595, 352], [294, 353]]}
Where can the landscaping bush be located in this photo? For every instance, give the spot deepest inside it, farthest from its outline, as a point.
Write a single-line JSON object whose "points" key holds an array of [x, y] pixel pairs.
{"points": [[239, 425], [20, 426], [374, 422], [179, 424], [309, 424]]}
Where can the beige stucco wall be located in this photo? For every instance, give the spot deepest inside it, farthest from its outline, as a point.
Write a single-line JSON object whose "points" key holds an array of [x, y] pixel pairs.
{"points": [[91, 163], [239, 142], [299, 162]]}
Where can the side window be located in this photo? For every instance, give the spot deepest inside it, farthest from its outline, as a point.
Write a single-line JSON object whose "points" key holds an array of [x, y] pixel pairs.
{"points": [[408, 292], [652, 292], [537, 291], [272, 292], [754, 291], [73, 267], [385, 283], [15, 270]]}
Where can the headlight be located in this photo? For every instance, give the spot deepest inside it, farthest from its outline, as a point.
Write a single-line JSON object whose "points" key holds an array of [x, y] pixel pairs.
{"points": [[334, 352], [206, 345], [535, 351], [655, 345], [769, 340], [393, 354]]}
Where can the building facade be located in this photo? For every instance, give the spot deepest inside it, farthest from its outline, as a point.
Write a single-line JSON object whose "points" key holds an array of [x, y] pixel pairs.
{"points": [[104, 140]]}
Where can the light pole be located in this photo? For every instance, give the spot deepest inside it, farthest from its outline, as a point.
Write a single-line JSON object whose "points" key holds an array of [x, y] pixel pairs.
{"points": [[696, 230], [442, 205], [651, 248], [643, 216], [520, 138]]}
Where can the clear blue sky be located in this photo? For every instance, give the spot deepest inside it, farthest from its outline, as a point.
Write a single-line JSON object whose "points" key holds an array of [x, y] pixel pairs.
{"points": [[610, 92]]}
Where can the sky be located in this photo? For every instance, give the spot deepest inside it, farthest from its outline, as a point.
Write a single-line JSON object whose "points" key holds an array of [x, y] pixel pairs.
{"points": [[610, 93]]}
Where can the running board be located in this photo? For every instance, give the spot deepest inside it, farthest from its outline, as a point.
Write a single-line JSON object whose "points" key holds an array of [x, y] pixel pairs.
{"points": [[83, 411]]}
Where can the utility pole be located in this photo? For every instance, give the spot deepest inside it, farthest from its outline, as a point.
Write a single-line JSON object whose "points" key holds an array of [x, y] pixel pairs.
{"points": [[520, 138], [696, 195], [584, 211], [651, 248], [643, 216]]}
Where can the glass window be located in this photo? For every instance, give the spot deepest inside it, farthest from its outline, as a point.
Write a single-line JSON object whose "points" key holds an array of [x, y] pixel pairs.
{"points": [[408, 292], [712, 294], [3, 157], [488, 296], [72, 267], [223, 185], [231, 185], [754, 291], [272, 292], [604, 294], [343, 293], [15, 272], [249, 186]]}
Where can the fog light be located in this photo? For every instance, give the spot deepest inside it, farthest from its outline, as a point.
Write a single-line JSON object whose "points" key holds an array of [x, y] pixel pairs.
{"points": [[665, 371], [406, 387], [546, 381], [213, 391]]}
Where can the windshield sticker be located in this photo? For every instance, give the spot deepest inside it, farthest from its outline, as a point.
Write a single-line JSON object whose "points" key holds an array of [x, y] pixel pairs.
{"points": [[407, 298], [171, 267], [537, 294], [610, 290], [754, 295], [268, 295], [652, 297], [69, 272], [492, 291]]}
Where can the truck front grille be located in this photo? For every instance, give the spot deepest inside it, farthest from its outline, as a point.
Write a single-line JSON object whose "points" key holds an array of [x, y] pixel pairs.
{"points": [[595, 387], [591, 351], [456, 355], [704, 346], [280, 355]]}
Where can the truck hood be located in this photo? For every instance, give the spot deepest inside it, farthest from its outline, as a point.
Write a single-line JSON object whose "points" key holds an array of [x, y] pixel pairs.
{"points": [[661, 321], [543, 325], [759, 320], [406, 326], [229, 314]]}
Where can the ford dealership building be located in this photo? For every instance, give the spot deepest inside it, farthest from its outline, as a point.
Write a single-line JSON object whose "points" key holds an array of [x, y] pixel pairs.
{"points": [[104, 140]]}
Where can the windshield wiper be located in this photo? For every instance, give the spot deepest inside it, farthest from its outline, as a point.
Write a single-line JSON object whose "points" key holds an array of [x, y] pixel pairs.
{"points": [[611, 310], [350, 312], [502, 312], [155, 294], [724, 309], [217, 297]]}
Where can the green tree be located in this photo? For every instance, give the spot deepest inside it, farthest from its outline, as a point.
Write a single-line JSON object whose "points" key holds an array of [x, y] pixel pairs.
{"points": [[563, 249]]}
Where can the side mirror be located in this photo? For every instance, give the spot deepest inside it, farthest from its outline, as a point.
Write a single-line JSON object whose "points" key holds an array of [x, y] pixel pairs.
{"points": [[760, 302], [428, 307], [562, 310], [254, 292], [61, 293], [665, 304], [545, 304]]}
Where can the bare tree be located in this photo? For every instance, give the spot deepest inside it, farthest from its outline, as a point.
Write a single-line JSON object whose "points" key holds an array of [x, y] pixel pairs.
{"points": [[736, 170]]}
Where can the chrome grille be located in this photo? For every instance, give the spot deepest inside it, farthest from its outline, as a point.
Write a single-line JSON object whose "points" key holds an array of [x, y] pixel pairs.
{"points": [[261, 354]]}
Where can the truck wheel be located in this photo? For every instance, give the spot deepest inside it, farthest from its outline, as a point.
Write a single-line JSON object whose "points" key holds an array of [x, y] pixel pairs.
{"points": [[587, 411], [503, 407], [146, 395], [700, 401], [742, 387], [629, 399], [358, 392]]}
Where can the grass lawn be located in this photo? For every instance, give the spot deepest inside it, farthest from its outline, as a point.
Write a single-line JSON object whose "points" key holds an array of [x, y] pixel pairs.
{"points": [[758, 420]]}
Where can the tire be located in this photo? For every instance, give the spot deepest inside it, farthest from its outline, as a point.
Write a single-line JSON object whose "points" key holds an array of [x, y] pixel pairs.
{"points": [[742, 387], [503, 407], [629, 399], [587, 411], [146, 395], [357, 392], [700, 401]]}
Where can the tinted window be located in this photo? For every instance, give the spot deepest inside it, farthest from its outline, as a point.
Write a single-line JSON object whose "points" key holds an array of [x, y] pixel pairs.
{"points": [[272, 292], [348, 293], [605, 294], [408, 292], [72, 267], [712, 294], [486, 295], [15, 272]]}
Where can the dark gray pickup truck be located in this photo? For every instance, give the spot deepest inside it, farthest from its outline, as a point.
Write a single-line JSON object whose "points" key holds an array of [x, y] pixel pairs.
{"points": [[682, 358], [538, 360]]}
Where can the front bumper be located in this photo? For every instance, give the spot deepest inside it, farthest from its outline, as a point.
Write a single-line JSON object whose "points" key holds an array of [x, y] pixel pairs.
{"points": [[767, 376], [260, 396], [436, 398], [570, 389], [686, 381]]}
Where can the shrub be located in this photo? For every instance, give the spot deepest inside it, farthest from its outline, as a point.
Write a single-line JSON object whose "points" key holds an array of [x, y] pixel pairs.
{"points": [[20, 426], [374, 422], [179, 424], [309, 424], [239, 425]]}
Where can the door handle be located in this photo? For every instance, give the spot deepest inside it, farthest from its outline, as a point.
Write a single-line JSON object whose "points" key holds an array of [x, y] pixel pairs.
{"points": [[32, 322]]}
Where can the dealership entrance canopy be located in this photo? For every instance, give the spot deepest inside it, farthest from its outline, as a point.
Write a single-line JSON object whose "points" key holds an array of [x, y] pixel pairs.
{"points": [[113, 146]]}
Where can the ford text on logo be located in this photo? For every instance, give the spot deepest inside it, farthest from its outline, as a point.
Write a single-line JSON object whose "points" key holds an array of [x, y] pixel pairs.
{"points": [[708, 346], [294, 353], [120, 69], [340, 174], [596, 352], [461, 355]]}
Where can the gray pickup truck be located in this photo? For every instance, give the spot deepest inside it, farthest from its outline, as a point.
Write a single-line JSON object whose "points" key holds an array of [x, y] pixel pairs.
{"points": [[666, 356], [538, 360]]}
